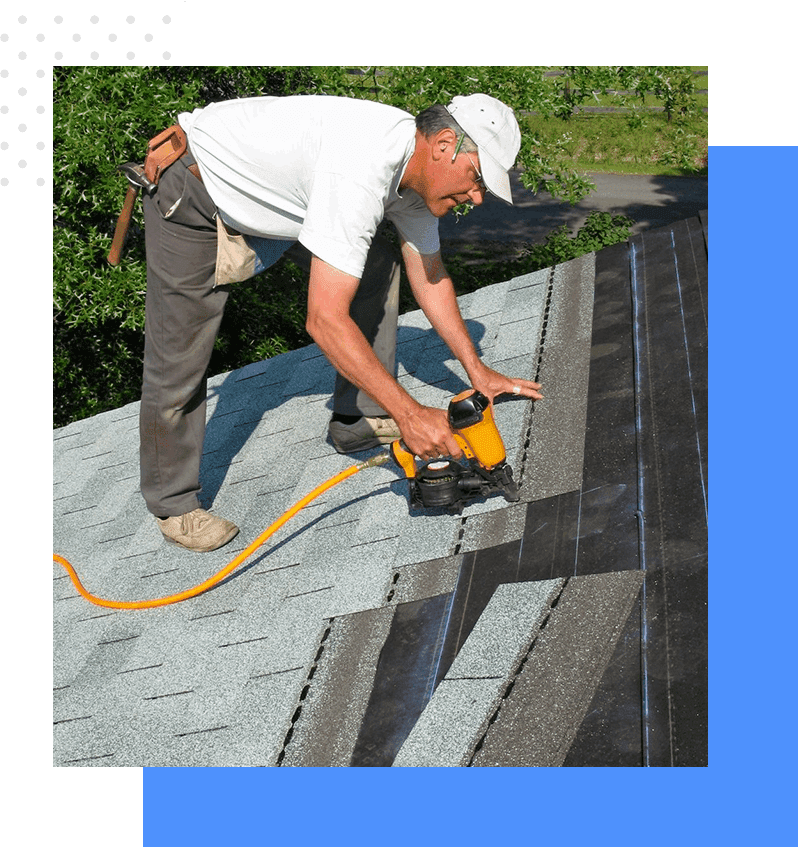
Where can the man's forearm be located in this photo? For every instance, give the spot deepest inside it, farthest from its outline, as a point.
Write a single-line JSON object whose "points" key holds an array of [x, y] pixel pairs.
{"points": [[434, 291], [425, 430], [350, 354]]}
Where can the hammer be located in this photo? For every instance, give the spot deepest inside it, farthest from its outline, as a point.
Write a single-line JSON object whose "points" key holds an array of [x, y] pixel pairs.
{"points": [[137, 181]]}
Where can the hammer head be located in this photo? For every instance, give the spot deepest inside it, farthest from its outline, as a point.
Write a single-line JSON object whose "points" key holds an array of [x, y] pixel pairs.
{"points": [[135, 176]]}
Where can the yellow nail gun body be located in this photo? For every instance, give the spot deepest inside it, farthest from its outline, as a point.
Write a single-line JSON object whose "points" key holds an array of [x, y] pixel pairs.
{"points": [[450, 484]]}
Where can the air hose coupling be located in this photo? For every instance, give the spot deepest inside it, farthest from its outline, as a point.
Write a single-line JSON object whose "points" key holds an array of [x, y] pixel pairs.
{"points": [[378, 459]]}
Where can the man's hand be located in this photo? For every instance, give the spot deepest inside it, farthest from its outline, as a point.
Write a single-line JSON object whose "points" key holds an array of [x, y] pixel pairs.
{"points": [[427, 434], [492, 384]]}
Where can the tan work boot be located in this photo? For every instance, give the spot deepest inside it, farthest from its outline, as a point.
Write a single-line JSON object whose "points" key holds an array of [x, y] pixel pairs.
{"points": [[363, 434], [197, 530]]}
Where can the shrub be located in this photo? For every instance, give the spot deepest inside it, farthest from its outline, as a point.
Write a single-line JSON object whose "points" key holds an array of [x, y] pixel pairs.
{"points": [[103, 117]]}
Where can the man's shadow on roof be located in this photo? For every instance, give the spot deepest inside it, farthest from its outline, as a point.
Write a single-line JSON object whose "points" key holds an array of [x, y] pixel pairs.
{"points": [[247, 396]]}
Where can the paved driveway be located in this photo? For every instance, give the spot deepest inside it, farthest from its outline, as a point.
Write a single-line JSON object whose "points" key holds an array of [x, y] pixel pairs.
{"points": [[650, 201]]}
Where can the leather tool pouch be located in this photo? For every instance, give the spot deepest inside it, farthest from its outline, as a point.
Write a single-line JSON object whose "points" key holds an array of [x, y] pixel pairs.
{"points": [[167, 147]]}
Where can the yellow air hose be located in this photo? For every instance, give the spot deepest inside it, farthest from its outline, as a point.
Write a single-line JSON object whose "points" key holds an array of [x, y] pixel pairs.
{"points": [[380, 459]]}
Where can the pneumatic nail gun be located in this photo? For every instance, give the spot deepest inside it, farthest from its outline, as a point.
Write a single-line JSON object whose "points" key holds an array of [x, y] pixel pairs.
{"points": [[450, 484]]}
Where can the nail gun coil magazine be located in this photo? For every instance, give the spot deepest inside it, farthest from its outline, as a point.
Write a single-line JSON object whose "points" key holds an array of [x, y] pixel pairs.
{"points": [[438, 484], [450, 485]]}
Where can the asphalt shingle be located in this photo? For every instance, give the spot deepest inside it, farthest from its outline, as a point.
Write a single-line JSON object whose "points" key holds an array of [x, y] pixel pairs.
{"points": [[457, 715], [283, 663], [191, 683], [537, 723]]}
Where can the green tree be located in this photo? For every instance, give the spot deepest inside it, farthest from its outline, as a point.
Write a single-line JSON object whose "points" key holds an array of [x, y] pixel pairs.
{"points": [[103, 117]]}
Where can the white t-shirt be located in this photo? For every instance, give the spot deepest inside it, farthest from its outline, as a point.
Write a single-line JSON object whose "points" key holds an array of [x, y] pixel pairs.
{"points": [[321, 170]]}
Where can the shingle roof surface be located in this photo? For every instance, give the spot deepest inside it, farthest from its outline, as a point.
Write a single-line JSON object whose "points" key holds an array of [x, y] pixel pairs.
{"points": [[365, 633]]}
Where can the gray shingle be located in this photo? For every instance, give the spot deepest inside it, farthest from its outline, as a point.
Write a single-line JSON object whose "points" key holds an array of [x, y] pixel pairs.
{"points": [[458, 713], [216, 680]]}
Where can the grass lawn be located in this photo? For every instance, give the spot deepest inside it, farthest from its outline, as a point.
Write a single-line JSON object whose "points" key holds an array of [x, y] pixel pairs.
{"points": [[607, 142], [631, 142]]}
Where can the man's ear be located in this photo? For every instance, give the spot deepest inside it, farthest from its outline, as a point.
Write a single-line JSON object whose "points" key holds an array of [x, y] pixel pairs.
{"points": [[444, 143]]}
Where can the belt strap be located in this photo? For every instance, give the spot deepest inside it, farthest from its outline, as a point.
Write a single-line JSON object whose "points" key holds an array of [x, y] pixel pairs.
{"points": [[195, 170]]}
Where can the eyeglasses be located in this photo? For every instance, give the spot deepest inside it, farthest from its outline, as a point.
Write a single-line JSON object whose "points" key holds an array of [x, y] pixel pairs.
{"points": [[480, 182]]}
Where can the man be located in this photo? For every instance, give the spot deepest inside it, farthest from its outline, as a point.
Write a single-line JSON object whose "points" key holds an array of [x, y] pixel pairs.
{"points": [[314, 176]]}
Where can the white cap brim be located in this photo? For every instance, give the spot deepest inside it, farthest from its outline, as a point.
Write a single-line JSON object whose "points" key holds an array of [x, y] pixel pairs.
{"points": [[494, 176]]}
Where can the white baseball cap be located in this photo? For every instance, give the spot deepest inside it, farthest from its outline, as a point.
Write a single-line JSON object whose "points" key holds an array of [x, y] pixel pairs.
{"points": [[493, 128]]}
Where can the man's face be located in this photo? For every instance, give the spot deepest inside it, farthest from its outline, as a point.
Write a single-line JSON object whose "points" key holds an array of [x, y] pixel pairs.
{"points": [[449, 183]]}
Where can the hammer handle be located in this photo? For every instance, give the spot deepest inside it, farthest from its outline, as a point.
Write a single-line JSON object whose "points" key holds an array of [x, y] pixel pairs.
{"points": [[122, 226]]}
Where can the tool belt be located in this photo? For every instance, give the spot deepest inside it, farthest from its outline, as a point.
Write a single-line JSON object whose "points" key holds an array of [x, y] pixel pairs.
{"points": [[164, 150], [236, 261]]}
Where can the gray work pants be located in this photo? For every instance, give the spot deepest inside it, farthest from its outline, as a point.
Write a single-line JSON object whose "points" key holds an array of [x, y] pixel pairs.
{"points": [[182, 317]]}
